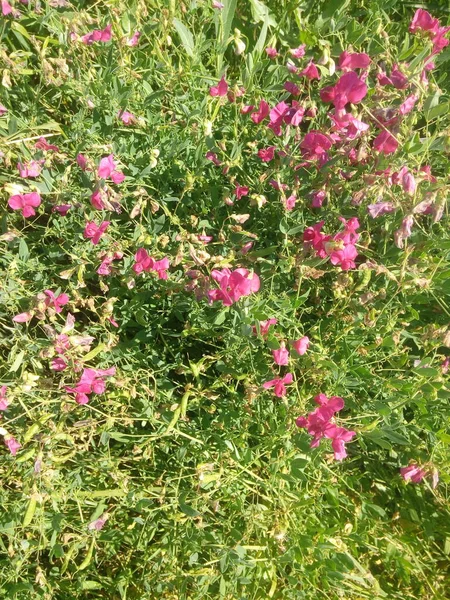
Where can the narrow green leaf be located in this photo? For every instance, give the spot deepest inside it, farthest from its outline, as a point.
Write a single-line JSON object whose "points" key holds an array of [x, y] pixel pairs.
{"points": [[185, 36]]}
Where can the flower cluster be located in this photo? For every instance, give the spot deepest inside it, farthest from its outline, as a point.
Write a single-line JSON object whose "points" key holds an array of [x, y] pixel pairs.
{"points": [[340, 248]]}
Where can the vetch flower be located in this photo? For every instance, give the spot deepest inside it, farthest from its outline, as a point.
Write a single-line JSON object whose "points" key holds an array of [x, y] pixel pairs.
{"points": [[26, 203], [29, 170], [55, 302], [281, 356], [413, 473], [134, 40], [241, 190], [42, 144], [271, 52], [385, 142], [91, 381], [380, 208], [264, 326], [12, 444], [290, 87], [348, 61], [126, 117], [267, 154], [220, 89], [233, 285], [94, 232], [279, 385], [310, 72], [107, 168], [145, 263], [261, 113], [298, 52], [3, 399], [98, 35], [301, 345]]}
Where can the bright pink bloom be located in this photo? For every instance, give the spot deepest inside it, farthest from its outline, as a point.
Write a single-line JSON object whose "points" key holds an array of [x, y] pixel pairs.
{"points": [[56, 302], [220, 89], [82, 162], [310, 72], [58, 364], [262, 112], [97, 200], [315, 144], [407, 106], [42, 144], [94, 232], [413, 473], [357, 60], [98, 35], [241, 190], [7, 9], [290, 87], [318, 197], [117, 177], [349, 89], [271, 52], [62, 209], [233, 285], [29, 170], [98, 524], [22, 317], [404, 232], [380, 208], [134, 40], [279, 385], [281, 356], [91, 381], [267, 154], [385, 142], [423, 21], [281, 187], [26, 203], [247, 108], [213, 158], [339, 435], [344, 257], [145, 263], [107, 168], [3, 399], [126, 117], [295, 114], [290, 201], [3, 110], [301, 345], [12, 444], [264, 327], [298, 52]]}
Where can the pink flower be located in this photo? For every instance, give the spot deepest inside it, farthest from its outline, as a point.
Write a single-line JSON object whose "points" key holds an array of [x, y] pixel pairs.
{"points": [[126, 117], [134, 40], [310, 72], [412, 473], [423, 21], [356, 60], [318, 197], [289, 203], [12, 444], [145, 263], [290, 87], [62, 209], [241, 190], [261, 113], [445, 366], [349, 89], [315, 144], [213, 158], [82, 162], [220, 89], [233, 285], [22, 317], [267, 154], [339, 435], [91, 381], [279, 385], [56, 302], [271, 52], [58, 364], [99, 523], [301, 345], [298, 52], [246, 248], [3, 110], [344, 257], [404, 232], [26, 203], [3, 399], [98, 35], [281, 356], [28, 170], [94, 232], [264, 327], [247, 108], [42, 144], [407, 106], [107, 168], [7, 9], [217, 4], [292, 67], [385, 142], [380, 208], [97, 200], [408, 182]]}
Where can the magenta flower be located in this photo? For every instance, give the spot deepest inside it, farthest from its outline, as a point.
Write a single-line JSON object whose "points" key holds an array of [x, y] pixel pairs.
{"points": [[397, 78], [412, 473], [310, 72], [233, 285], [241, 190], [349, 89], [145, 263], [404, 232], [58, 364], [98, 35], [290, 87], [380, 208], [91, 381], [247, 108], [221, 89], [94, 232], [3, 110], [42, 144], [301, 345], [107, 168], [385, 142], [62, 209], [298, 52], [29, 170], [423, 21], [317, 198], [338, 436], [344, 257], [281, 356], [213, 158], [264, 327], [279, 385], [82, 162], [349, 61], [7, 9], [407, 106], [26, 203], [23, 317], [134, 40], [126, 117], [289, 203], [12, 444], [267, 154], [56, 302], [261, 113], [315, 144], [271, 52], [3, 399]]}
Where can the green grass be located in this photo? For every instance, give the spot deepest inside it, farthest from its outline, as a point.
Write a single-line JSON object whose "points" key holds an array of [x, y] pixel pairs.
{"points": [[211, 491]]}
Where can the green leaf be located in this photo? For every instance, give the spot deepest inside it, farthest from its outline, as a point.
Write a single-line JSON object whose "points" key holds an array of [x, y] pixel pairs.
{"points": [[185, 36], [228, 11]]}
